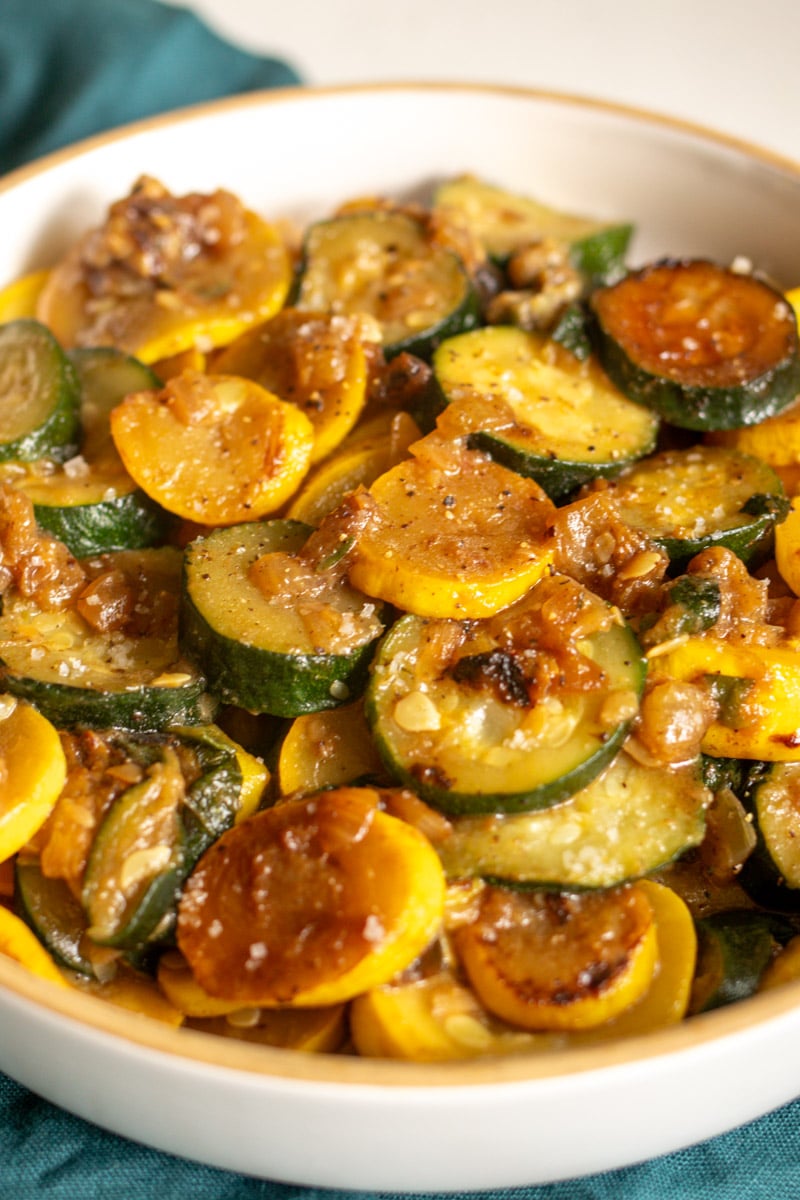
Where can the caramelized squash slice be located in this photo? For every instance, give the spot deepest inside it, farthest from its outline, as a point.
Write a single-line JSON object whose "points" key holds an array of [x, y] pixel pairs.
{"points": [[310, 902], [456, 534], [559, 961], [165, 273], [435, 1019], [315, 361], [328, 749], [214, 449], [438, 1018]]}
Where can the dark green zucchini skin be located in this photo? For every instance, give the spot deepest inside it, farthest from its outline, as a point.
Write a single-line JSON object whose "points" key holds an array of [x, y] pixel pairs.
{"points": [[57, 918], [555, 418], [240, 669], [560, 478], [548, 776], [762, 388], [279, 685], [128, 522], [600, 257], [28, 348], [147, 708], [632, 820], [208, 808], [734, 949], [762, 876]]}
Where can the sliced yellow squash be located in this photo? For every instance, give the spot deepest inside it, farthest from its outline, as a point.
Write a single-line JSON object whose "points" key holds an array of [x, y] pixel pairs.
{"points": [[556, 961], [165, 273], [214, 449], [328, 749], [32, 773], [456, 534], [18, 299], [310, 902], [313, 360], [18, 942], [758, 693], [358, 462]]}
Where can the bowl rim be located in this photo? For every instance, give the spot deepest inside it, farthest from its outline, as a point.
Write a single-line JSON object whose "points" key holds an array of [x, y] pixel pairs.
{"points": [[309, 93], [97, 1017]]}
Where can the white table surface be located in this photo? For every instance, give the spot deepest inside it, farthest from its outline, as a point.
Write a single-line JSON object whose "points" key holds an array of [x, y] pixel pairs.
{"points": [[732, 65]]}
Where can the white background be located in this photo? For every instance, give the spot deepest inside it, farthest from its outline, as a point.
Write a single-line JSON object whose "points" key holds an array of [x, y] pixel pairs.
{"points": [[732, 65]]}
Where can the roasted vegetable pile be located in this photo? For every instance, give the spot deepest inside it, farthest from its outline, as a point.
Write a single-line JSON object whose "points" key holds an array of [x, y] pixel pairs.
{"points": [[400, 633]]}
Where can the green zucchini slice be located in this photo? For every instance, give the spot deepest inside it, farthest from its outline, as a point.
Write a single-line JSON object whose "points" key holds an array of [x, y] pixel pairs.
{"points": [[90, 502], [155, 832], [734, 949], [707, 348], [629, 821], [54, 914], [39, 395], [505, 221], [136, 862], [77, 675], [509, 713], [383, 263], [690, 499], [270, 654], [771, 874], [551, 416]]}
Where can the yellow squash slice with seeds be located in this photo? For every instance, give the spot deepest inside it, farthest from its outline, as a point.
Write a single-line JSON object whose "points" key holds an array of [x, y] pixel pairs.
{"points": [[214, 449], [165, 273], [456, 534], [313, 360], [32, 773], [318, 898]]}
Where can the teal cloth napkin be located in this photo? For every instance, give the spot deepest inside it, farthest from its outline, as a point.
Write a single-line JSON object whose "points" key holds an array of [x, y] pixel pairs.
{"points": [[70, 68]]}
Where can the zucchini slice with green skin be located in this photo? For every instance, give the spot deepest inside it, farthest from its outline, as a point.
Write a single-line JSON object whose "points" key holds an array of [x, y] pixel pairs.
{"points": [[510, 713], [691, 499], [553, 417], [706, 347], [136, 862], [91, 503], [77, 675], [771, 873], [213, 799], [382, 262], [258, 652], [54, 914], [39, 395], [155, 832], [734, 949], [504, 221], [629, 821]]}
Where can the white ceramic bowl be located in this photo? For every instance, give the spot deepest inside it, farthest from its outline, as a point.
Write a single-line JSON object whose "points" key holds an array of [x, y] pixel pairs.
{"points": [[337, 1122]]}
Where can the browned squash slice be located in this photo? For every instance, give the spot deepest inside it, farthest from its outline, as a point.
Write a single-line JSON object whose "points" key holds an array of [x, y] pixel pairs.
{"points": [[456, 534], [166, 273], [547, 960], [214, 449], [313, 360], [310, 902]]}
